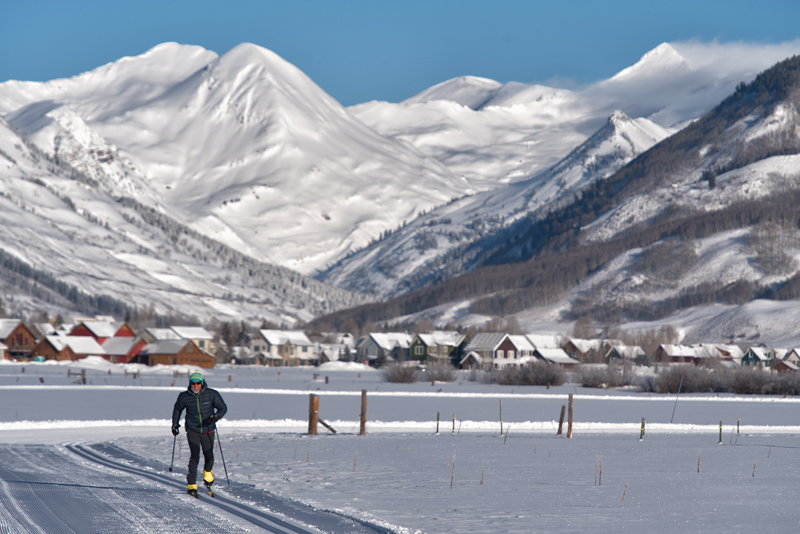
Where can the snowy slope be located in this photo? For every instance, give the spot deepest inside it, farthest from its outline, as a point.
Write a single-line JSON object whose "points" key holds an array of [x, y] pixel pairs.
{"points": [[64, 225], [431, 248]]}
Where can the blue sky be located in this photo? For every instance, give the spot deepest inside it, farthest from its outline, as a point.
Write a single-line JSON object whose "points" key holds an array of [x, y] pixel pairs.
{"points": [[378, 50]]}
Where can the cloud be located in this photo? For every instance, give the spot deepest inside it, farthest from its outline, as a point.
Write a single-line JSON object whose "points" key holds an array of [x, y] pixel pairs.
{"points": [[735, 58]]}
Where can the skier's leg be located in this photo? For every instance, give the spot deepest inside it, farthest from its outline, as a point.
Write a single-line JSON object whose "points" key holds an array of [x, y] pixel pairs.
{"points": [[208, 455], [194, 448]]}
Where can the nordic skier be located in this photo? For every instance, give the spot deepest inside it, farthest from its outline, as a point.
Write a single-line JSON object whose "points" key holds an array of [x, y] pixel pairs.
{"points": [[204, 407]]}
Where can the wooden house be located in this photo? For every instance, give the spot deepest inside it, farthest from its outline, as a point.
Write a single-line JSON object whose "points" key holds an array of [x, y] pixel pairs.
{"points": [[102, 330], [285, 348], [438, 347], [494, 350], [625, 353], [589, 350], [121, 349], [759, 357], [174, 352], [55, 347], [669, 353], [378, 348], [18, 339], [556, 356]]}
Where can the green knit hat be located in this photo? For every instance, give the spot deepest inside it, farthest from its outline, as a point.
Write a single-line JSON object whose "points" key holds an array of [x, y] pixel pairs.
{"points": [[196, 377]]}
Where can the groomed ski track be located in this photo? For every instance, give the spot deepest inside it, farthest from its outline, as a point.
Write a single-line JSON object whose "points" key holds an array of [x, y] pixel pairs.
{"points": [[76, 489]]}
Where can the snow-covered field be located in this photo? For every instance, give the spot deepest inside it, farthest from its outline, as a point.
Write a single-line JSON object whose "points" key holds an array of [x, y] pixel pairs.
{"points": [[467, 478]]}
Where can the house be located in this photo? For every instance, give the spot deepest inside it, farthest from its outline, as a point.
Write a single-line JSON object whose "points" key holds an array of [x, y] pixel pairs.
{"points": [[793, 356], [18, 339], [102, 330], [3, 349], [495, 350], [783, 366], [556, 356], [121, 349], [668, 353], [376, 348], [625, 353], [546, 341], [759, 357], [473, 360], [285, 347], [589, 350], [55, 347], [173, 352], [438, 347], [199, 335]]}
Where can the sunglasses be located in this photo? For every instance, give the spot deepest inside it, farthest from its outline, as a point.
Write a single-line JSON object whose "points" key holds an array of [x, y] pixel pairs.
{"points": [[194, 382]]}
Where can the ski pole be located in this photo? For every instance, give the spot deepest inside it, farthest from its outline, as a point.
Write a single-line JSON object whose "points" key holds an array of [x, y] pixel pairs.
{"points": [[223, 458], [174, 439]]}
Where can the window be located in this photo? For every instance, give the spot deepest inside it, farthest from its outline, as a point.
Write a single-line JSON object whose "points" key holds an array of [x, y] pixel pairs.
{"points": [[305, 349], [418, 350], [202, 343], [511, 354], [500, 354]]}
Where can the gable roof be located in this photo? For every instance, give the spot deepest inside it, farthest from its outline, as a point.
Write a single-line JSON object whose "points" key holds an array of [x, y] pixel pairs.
{"points": [[193, 332], [675, 351], [165, 346], [556, 356], [78, 344], [7, 326], [486, 341], [118, 346], [281, 337], [545, 341], [521, 343], [441, 338], [389, 340], [162, 333]]}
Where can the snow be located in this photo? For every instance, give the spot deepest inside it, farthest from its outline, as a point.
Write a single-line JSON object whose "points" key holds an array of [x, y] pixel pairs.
{"points": [[679, 478]]}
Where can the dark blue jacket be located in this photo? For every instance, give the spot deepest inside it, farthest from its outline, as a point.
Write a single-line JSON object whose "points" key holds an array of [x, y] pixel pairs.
{"points": [[199, 408]]}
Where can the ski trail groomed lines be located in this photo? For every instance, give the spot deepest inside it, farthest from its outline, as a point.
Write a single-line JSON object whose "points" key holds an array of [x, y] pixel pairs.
{"points": [[260, 518]]}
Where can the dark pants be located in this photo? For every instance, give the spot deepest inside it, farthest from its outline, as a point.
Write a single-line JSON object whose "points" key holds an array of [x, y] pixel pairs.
{"points": [[196, 441]]}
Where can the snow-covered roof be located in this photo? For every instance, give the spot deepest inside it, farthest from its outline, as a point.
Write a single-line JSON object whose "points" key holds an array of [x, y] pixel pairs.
{"points": [[585, 345], [471, 355], [193, 332], [118, 346], [556, 356], [545, 341], [683, 351], [161, 334], [441, 338], [165, 346], [628, 352], [389, 340], [45, 328], [3, 346], [101, 328], [281, 337], [7, 326], [486, 341], [521, 342], [78, 344], [761, 353]]}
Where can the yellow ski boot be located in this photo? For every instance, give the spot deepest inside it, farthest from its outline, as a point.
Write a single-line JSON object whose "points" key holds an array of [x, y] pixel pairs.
{"points": [[192, 490], [208, 478]]}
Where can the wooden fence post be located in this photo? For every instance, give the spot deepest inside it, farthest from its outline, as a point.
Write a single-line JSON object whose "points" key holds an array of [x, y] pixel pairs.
{"points": [[569, 425], [313, 413], [561, 420], [363, 430]]}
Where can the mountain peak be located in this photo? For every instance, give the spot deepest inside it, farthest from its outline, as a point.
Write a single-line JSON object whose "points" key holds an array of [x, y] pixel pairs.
{"points": [[663, 59]]}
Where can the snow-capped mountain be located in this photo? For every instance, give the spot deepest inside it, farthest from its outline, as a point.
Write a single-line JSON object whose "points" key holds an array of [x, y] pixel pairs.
{"points": [[443, 242], [68, 245], [242, 147], [494, 134]]}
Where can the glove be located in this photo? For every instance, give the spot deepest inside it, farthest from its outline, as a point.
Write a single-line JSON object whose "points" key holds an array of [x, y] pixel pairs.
{"points": [[175, 430], [214, 418]]}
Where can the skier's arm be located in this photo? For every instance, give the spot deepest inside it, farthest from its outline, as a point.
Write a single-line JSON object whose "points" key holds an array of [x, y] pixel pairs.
{"points": [[176, 411], [220, 406]]}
